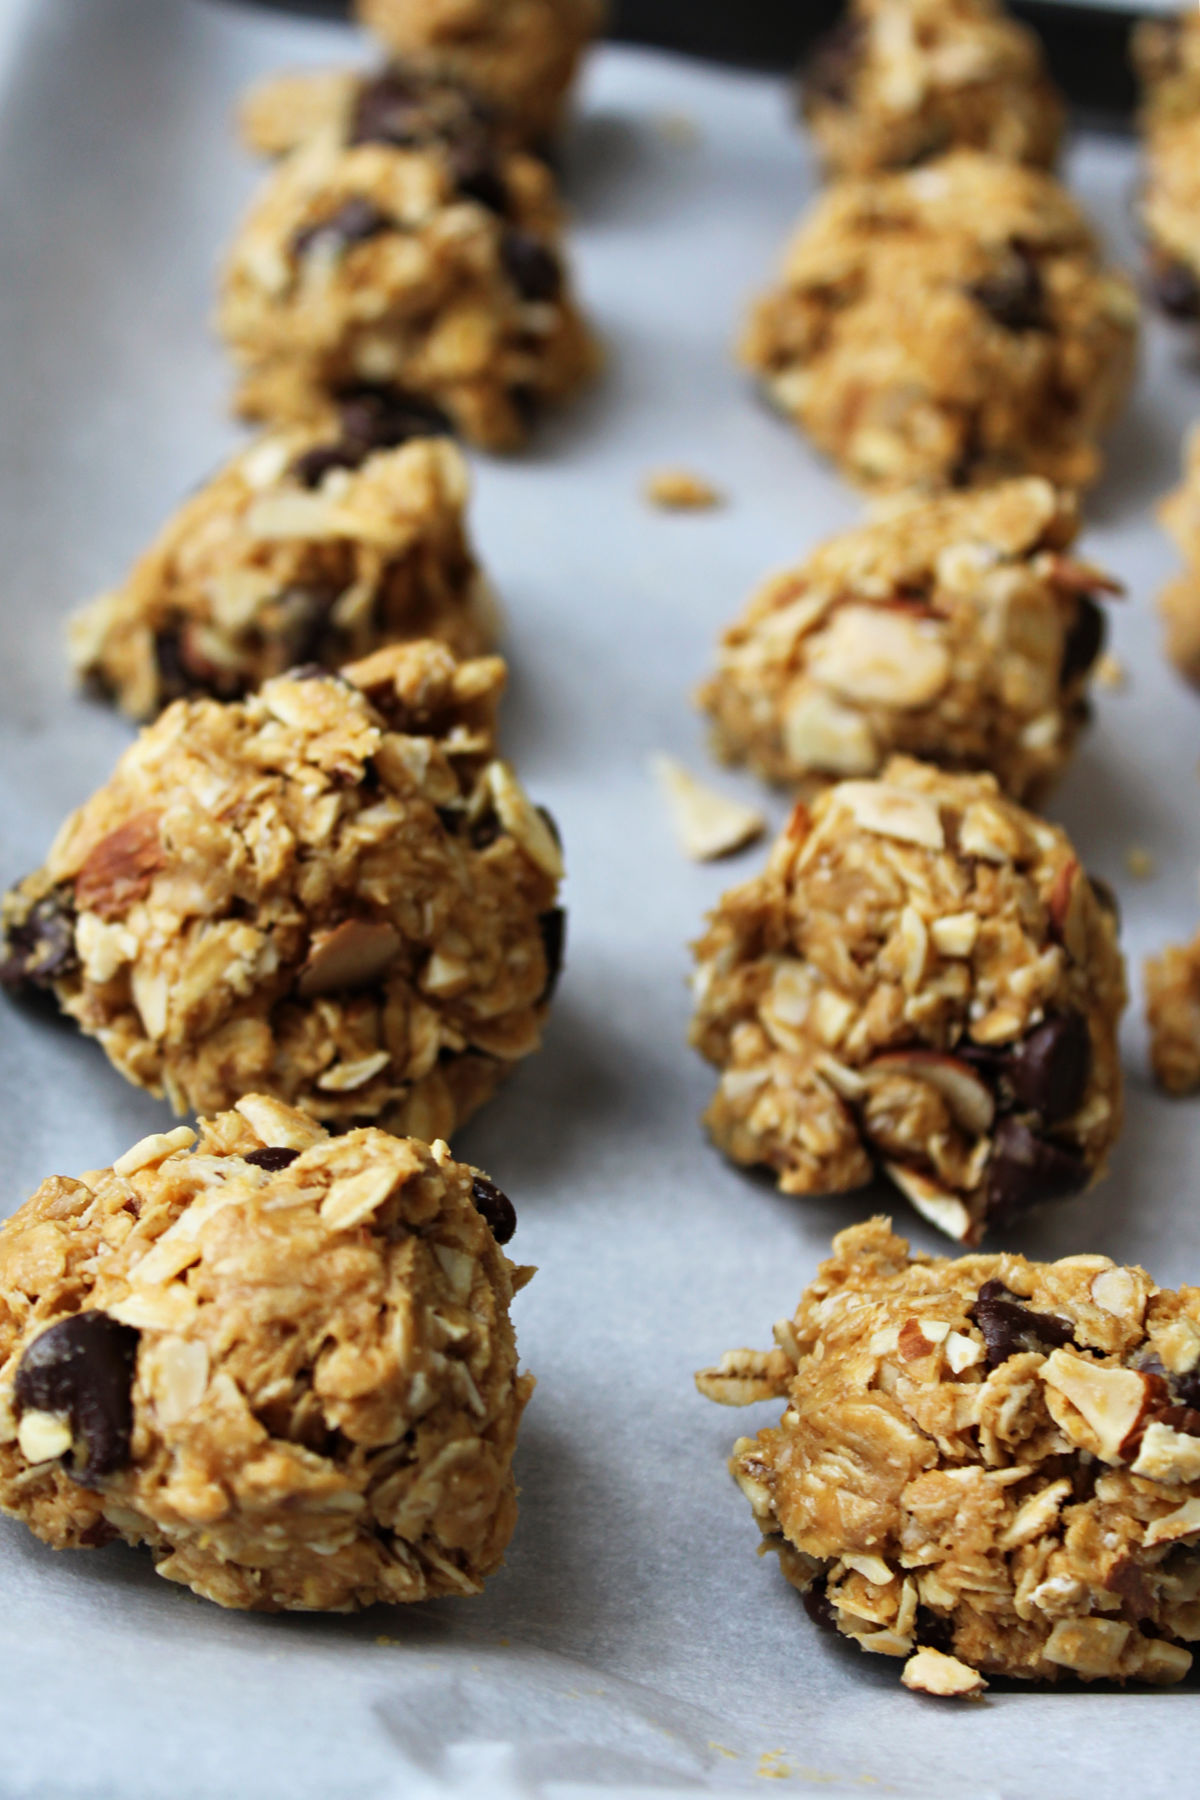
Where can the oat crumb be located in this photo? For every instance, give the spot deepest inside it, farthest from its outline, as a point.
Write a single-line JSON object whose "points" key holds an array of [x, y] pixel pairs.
{"points": [[679, 490], [708, 824], [1111, 673], [1140, 864]]}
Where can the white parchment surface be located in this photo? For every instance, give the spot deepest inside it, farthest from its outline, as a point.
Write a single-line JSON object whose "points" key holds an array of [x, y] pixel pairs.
{"points": [[634, 1642]]}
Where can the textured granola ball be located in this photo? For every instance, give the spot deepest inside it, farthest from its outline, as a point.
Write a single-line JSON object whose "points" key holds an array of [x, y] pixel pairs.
{"points": [[955, 629], [372, 264], [315, 545], [948, 327], [331, 892], [987, 1467], [282, 1361], [1173, 1016], [1179, 601], [922, 981], [899, 81], [521, 54]]}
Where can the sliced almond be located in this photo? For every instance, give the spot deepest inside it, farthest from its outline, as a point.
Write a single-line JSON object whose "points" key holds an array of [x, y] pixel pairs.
{"points": [[119, 869], [1089, 1646], [1168, 1455], [892, 812], [279, 1126], [822, 735], [955, 934], [944, 1210], [743, 1377], [353, 955], [154, 1149], [881, 656], [522, 820], [930, 1671], [345, 1077], [1183, 1522], [1116, 1292], [1112, 1401], [971, 1105], [708, 824]]}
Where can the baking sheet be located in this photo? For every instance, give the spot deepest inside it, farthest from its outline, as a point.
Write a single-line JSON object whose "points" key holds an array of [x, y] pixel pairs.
{"points": [[634, 1642]]}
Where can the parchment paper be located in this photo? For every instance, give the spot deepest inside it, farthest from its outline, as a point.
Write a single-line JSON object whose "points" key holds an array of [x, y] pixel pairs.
{"points": [[634, 1641]]}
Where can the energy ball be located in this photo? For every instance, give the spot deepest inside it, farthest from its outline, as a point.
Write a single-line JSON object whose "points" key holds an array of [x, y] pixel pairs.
{"points": [[522, 55], [374, 265], [1172, 981], [332, 892], [948, 327], [315, 545], [957, 629], [899, 81], [1179, 601], [283, 1361], [985, 1467], [923, 982]]}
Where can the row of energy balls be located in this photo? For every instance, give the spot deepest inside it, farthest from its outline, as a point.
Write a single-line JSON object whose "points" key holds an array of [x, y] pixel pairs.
{"points": [[988, 1466], [313, 904]]}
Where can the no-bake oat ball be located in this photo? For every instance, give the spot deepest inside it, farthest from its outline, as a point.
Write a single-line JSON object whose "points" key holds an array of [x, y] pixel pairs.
{"points": [[923, 982], [1170, 215], [522, 55], [899, 81], [374, 265], [333, 892], [948, 327], [282, 1361], [956, 629], [987, 1467], [318, 544]]}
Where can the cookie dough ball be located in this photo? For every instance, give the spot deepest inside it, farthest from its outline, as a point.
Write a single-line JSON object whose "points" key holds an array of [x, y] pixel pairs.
{"points": [[985, 1467], [899, 81], [315, 545], [372, 264], [1173, 1017], [922, 982], [282, 1361], [1166, 55], [522, 55], [1179, 601], [331, 892], [955, 629], [948, 327]]}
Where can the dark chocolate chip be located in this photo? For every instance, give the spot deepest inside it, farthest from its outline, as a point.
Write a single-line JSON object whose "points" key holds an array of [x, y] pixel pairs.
{"points": [[1048, 1070], [533, 269], [450, 817], [1014, 294], [933, 1631], [553, 927], [829, 76], [1084, 641], [389, 110], [1024, 1170], [477, 176], [39, 948], [1008, 1325], [311, 469], [494, 1208], [1177, 290], [375, 416], [353, 222], [83, 1367], [173, 678], [1186, 1387], [819, 1607], [271, 1157], [484, 831], [526, 402], [306, 623]]}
